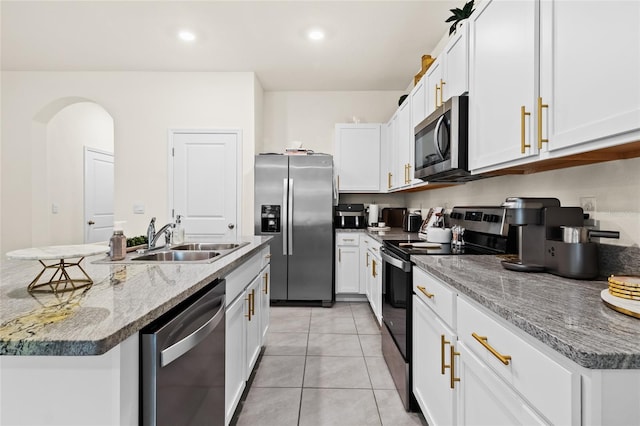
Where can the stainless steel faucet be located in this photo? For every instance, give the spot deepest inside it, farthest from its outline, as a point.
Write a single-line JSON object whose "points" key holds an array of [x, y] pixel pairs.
{"points": [[152, 236]]}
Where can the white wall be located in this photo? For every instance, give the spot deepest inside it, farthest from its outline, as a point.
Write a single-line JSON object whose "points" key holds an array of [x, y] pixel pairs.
{"points": [[144, 105], [309, 117], [80, 125], [614, 184]]}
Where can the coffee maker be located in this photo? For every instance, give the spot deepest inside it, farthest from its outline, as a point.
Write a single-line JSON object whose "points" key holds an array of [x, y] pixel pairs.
{"points": [[547, 240]]}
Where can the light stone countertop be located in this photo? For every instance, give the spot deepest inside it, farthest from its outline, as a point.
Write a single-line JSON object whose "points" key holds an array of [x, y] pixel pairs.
{"points": [[122, 300], [58, 252], [566, 315]]}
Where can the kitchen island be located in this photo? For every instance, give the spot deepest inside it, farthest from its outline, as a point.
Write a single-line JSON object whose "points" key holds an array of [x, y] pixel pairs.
{"points": [[72, 357]]}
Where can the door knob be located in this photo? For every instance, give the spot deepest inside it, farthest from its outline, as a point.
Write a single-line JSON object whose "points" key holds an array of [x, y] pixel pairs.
{"points": [[91, 222], [231, 226]]}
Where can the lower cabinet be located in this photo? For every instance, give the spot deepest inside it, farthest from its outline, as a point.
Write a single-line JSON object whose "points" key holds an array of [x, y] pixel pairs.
{"points": [[247, 321], [374, 281], [347, 262], [472, 368], [433, 353]]}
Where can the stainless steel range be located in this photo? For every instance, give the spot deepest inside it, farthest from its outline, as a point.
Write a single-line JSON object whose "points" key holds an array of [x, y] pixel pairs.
{"points": [[486, 232]]}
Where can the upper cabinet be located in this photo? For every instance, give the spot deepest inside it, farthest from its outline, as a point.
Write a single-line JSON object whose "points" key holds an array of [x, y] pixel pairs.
{"points": [[455, 80], [589, 73], [535, 90], [502, 72], [357, 157]]}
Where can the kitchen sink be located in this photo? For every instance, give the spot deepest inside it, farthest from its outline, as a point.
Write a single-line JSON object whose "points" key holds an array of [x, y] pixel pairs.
{"points": [[177, 256], [206, 246]]}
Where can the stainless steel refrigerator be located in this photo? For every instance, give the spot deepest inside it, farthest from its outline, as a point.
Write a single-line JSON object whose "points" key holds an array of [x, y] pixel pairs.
{"points": [[294, 205]]}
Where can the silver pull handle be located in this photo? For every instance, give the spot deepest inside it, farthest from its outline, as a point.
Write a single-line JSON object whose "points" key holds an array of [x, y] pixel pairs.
{"points": [[435, 137], [180, 348], [231, 226], [285, 209], [290, 217]]}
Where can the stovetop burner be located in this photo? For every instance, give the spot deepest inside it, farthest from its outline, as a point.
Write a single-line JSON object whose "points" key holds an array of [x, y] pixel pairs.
{"points": [[404, 249]]}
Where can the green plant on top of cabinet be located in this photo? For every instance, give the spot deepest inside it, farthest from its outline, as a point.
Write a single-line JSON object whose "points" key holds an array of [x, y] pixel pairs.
{"points": [[357, 157], [536, 91]]}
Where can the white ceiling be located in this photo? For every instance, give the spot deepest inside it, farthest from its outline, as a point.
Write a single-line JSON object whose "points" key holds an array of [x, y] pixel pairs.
{"points": [[370, 45]]}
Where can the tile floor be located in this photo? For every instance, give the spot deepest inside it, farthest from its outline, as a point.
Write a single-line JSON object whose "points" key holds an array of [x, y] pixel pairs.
{"points": [[323, 366]]}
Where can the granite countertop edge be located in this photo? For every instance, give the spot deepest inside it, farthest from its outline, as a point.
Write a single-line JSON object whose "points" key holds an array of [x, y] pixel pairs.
{"points": [[41, 346], [567, 345]]}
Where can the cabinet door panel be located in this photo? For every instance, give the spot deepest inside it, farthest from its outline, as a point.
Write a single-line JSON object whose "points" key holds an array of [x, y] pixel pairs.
{"points": [[347, 269], [265, 300], [357, 157], [456, 79], [235, 353], [502, 79], [431, 388], [254, 332], [485, 400], [588, 99]]}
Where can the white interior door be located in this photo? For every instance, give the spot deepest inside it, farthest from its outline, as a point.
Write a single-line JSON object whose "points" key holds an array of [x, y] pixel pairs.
{"points": [[98, 195], [205, 183]]}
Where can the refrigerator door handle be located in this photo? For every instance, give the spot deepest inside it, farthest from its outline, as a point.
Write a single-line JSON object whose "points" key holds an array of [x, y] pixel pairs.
{"points": [[290, 218], [285, 215]]}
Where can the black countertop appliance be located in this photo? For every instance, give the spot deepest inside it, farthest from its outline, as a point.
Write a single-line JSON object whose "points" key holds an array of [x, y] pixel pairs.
{"points": [[349, 216]]}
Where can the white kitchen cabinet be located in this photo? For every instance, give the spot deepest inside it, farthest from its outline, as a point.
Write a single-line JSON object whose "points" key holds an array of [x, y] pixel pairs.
{"points": [[235, 354], [357, 157], [455, 79], [374, 281], [405, 145], [245, 325], [502, 90], [528, 103], [587, 98], [433, 85], [472, 368], [347, 260], [418, 97], [392, 160], [486, 400], [432, 346], [365, 243], [265, 302]]}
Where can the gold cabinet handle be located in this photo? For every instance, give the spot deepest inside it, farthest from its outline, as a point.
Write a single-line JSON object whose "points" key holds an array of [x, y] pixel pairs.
{"points": [[452, 371], [540, 106], [248, 299], [367, 260], [425, 292], [373, 268], [523, 114], [253, 301], [339, 255], [389, 179], [483, 341], [443, 342], [436, 100], [267, 256], [338, 181], [266, 283], [442, 83]]}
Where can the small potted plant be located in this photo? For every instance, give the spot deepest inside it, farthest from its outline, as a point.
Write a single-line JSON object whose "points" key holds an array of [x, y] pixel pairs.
{"points": [[459, 15]]}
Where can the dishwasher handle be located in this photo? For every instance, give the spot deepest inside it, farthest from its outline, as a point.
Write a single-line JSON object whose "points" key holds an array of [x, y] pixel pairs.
{"points": [[175, 351]]}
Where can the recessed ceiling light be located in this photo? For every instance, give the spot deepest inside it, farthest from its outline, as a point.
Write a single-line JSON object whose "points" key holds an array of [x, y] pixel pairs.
{"points": [[315, 34], [186, 36]]}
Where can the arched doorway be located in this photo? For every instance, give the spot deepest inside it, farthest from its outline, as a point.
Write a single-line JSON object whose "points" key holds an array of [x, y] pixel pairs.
{"points": [[78, 162]]}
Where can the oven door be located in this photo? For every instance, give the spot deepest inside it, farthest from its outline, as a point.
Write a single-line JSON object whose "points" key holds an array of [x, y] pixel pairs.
{"points": [[396, 299]]}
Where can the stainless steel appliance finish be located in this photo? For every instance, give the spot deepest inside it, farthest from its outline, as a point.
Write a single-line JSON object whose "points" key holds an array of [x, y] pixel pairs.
{"points": [[294, 205], [350, 216], [441, 143], [182, 363], [486, 234]]}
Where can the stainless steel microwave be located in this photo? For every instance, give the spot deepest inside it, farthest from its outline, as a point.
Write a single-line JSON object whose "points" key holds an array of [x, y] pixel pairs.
{"points": [[442, 142]]}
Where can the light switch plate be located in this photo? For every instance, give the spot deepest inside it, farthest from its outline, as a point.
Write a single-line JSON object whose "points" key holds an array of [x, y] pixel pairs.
{"points": [[138, 208], [54, 208]]}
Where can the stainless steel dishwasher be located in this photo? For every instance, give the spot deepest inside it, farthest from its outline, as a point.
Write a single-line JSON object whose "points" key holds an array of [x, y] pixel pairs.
{"points": [[182, 362]]}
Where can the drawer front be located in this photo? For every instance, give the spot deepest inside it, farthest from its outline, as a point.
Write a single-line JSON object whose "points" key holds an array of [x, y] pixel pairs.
{"points": [[435, 295], [242, 276], [348, 239], [548, 386]]}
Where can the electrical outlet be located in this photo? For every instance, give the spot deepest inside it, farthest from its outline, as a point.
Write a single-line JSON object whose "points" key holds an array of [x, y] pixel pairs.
{"points": [[588, 204], [138, 208]]}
